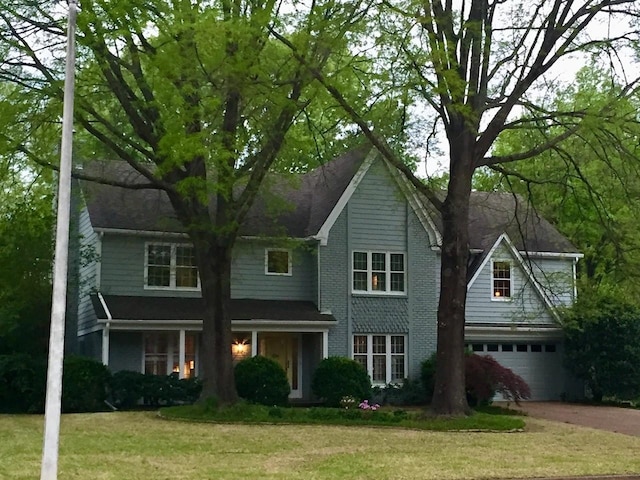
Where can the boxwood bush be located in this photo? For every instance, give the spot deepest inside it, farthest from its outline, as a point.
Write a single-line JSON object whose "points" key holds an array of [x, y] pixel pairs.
{"points": [[85, 384], [133, 389], [339, 377], [262, 380]]}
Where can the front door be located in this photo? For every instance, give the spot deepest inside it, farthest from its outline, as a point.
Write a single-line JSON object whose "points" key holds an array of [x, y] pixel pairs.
{"points": [[284, 349]]}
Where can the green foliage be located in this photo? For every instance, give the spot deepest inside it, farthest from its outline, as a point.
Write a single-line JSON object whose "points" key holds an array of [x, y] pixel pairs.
{"points": [[409, 392], [428, 375], [602, 346], [262, 380], [85, 384], [338, 377], [26, 220], [133, 389], [22, 383]]}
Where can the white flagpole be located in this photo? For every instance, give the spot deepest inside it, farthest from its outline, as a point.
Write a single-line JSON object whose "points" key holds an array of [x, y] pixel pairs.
{"points": [[49, 469]]}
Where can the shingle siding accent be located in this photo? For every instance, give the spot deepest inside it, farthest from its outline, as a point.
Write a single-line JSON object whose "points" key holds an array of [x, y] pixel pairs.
{"points": [[380, 314]]}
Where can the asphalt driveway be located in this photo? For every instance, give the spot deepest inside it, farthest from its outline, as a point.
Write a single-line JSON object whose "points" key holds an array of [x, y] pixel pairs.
{"points": [[613, 419]]}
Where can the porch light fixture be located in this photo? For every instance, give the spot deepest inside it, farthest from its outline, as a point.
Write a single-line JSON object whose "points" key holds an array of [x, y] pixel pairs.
{"points": [[239, 349]]}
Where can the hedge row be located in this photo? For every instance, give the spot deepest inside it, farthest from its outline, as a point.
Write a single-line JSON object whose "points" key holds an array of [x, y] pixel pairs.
{"points": [[87, 386]]}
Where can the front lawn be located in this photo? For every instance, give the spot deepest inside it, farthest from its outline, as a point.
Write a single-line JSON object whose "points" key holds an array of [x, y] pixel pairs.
{"points": [[139, 445]]}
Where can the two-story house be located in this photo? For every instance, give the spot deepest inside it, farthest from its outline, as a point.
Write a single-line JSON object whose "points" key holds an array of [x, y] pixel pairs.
{"points": [[350, 268]]}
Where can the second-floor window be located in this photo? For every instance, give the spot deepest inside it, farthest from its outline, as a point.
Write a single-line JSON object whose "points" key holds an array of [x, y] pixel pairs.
{"points": [[170, 265], [277, 262], [378, 272], [501, 280]]}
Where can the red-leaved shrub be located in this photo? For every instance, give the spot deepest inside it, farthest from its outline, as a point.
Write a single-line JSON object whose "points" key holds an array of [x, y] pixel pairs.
{"points": [[485, 377]]}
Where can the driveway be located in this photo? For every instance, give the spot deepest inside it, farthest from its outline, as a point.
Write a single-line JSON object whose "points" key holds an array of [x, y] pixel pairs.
{"points": [[613, 419]]}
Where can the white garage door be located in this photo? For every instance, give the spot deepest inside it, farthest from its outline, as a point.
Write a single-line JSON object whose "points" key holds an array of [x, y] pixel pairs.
{"points": [[539, 364]]}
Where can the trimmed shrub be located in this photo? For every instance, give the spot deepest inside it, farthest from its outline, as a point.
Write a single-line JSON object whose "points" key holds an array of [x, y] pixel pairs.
{"points": [[133, 389], [338, 377], [409, 392], [84, 385], [126, 389], [484, 377], [262, 380]]}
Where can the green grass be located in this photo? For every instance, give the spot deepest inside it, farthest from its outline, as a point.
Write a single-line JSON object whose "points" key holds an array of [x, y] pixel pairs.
{"points": [[139, 445], [487, 420]]}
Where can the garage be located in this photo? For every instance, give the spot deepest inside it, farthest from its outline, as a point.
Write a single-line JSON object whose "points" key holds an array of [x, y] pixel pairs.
{"points": [[539, 364]]}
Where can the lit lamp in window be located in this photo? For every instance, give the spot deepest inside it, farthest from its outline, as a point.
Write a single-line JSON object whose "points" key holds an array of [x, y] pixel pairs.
{"points": [[239, 350], [496, 293]]}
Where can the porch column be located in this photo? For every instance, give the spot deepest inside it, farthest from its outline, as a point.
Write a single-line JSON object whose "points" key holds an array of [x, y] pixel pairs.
{"points": [[105, 345], [325, 343], [181, 354], [254, 343]]}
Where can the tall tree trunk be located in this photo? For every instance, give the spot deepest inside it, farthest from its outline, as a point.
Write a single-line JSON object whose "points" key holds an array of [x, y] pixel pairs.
{"points": [[449, 397], [216, 363]]}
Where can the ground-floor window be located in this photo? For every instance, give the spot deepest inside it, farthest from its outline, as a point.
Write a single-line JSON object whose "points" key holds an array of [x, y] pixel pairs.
{"points": [[383, 356], [162, 353]]}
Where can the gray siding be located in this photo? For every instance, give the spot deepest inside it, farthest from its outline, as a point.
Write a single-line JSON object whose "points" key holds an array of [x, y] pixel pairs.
{"points": [[248, 278], [377, 212], [124, 258], [378, 218], [526, 304], [89, 245], [125, 351], [555, 275]]}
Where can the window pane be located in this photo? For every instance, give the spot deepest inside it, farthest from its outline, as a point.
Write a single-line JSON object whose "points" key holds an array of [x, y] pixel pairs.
{"points": [[507, 347], [277, 261], [359, 261], [502, 288], [378, 281], [397, 262], [501, 270], [360, 344], [159, 265], [397, 282], [379, 344], [378, 261], [362, 360], [360, 281], [379, 368], [397, 344], [397, 368]]}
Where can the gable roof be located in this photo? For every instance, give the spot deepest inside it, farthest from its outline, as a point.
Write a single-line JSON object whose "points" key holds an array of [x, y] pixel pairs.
{"points": [[310, 203]]}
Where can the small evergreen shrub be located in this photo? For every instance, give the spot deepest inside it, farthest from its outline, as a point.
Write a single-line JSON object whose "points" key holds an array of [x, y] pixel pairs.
{"points": [[262, 380], [85, 384], [338, 377]]}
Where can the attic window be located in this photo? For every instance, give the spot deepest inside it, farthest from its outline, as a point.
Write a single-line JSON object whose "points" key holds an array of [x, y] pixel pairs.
{"points": [[501, 280], [277, 262], [379, 272]]}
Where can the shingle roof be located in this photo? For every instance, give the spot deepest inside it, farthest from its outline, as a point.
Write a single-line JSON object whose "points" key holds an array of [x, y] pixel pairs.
{"points": [[122, 307], [309, 199]]}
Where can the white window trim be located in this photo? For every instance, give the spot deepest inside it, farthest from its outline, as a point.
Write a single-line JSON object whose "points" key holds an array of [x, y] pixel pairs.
{"points": [[172, 268], [369, 290], [387, 355], [501, 299], [266, 262]]}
